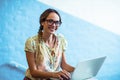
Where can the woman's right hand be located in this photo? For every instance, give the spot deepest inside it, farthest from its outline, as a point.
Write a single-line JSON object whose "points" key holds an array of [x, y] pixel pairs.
{"points": [[62, 75]]}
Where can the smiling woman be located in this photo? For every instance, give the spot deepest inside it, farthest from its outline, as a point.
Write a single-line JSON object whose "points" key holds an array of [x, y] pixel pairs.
{"points": [[45, 51]]}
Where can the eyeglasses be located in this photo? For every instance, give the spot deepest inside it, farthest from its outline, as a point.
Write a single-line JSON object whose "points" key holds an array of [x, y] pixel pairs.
{"points": [[51, 22]]}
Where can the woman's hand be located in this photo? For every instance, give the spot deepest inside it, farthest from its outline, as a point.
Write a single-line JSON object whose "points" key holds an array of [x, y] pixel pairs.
{"points": [[62, 75]]}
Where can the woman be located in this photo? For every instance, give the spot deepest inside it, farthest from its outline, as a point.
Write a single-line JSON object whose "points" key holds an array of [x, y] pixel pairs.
{"points": [[45, 52]]}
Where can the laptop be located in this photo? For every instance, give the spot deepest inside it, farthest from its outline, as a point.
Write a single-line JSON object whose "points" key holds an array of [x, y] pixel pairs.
{"points": [[87, 69]]}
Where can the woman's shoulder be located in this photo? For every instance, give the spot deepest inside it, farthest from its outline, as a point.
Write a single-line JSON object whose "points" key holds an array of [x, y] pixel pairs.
{"points": [[32, 39], [30, 44], [59, 35], [35, 37], [61, 38]]}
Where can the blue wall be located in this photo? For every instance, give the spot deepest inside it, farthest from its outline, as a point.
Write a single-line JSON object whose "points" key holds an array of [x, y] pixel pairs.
{"points": [[19, 20]]}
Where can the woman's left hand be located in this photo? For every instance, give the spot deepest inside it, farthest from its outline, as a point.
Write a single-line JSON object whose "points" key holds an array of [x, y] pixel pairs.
{"points": [[67, 74]]}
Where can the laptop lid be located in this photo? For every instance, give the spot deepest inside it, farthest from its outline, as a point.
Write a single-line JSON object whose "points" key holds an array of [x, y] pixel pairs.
{"points": [[87, 69]]}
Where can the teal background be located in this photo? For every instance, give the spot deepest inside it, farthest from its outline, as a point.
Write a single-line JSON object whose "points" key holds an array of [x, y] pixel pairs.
{"points": [[19, 19]]}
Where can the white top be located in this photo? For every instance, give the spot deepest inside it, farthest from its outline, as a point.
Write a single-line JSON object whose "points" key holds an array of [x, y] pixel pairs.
{"points": [[43, 54]]}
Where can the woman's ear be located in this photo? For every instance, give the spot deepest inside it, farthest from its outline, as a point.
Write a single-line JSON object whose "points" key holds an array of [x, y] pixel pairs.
{"points": [[42, 23]]}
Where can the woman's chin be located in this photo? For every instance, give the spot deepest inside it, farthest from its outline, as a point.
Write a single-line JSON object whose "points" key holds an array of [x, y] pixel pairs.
{"points": [[52, 31]]}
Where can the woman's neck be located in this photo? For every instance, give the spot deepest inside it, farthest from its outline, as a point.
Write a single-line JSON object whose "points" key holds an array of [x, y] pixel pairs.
{"points": [[47, 37]]}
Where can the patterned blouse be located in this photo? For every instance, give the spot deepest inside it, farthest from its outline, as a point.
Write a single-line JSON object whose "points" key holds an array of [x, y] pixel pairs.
{"points": [[44, 54]]}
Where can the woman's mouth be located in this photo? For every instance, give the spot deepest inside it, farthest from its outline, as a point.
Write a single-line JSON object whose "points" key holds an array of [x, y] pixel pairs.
{"points": [[51, 29]]}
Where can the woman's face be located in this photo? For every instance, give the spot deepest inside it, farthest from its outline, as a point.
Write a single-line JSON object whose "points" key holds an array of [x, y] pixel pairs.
{"points": [[51, 24]]}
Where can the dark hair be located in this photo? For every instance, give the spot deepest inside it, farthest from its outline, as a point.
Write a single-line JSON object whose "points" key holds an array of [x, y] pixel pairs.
{"points": [[44, 15]]}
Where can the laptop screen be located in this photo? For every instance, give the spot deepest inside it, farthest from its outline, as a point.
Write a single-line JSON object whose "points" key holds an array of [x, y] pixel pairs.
{"points": [[87, 69]]}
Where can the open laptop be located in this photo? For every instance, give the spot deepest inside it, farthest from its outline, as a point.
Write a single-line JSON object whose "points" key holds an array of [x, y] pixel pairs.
{"points": [[87, 69]]}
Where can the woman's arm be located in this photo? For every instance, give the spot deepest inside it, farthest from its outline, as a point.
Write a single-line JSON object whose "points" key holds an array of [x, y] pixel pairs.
{"points": [[33, 69], [39, 73], [66, 66]]}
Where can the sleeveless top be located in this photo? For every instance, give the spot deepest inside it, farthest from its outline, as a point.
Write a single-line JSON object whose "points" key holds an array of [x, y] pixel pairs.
{"points": [[43, 54]]}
